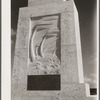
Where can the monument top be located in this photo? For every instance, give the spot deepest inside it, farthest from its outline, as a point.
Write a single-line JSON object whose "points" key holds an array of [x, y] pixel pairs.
{"points": [[39, 2]]}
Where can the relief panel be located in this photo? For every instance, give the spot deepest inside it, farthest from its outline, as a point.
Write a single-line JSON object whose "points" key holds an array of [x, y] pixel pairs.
{"points": [[44, 44]]}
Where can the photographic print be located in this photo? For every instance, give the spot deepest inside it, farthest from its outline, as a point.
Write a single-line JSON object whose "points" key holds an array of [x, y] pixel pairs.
{"points": [[54, 50]]}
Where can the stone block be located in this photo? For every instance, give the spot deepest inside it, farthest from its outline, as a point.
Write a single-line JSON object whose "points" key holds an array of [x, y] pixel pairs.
{"points": [[34, 98], [68, 91], [20, 66], [52, 8], [18, 89], [78, 46], [24, 23], [93, 97], [21, 53], [74, 98], [41, 2], [15, 69], [21, 90], [69, 70], [67, 29], [22, 38], [73, 89]]}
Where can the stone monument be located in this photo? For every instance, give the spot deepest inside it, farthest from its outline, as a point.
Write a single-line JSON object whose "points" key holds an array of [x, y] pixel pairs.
{"points": [[48, 61]]}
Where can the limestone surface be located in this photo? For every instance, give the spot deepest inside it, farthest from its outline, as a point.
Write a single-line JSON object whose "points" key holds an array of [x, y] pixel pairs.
{"points": [[48, 43]]}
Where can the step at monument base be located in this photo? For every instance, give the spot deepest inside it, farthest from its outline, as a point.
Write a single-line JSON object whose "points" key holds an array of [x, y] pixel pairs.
{"points": [[69, 91]]}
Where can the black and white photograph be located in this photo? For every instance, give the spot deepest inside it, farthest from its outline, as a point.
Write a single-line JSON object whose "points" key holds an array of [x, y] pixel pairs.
{"points": [[54, 50]]}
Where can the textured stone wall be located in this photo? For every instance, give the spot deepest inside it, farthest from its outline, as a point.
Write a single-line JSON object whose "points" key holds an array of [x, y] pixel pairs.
{"points": [[35, 24], [39, 2]]}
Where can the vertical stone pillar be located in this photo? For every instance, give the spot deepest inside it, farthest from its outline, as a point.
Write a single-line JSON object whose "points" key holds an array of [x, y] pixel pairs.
{"points": [[60, 62], [71, 48]]}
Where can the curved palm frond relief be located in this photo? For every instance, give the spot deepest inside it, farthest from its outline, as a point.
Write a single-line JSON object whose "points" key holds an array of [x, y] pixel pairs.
{"points": [[43, 43]]}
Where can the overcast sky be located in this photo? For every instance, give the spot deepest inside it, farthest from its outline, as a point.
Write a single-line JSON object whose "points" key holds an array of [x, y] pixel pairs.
{"points": [[87, 19]]}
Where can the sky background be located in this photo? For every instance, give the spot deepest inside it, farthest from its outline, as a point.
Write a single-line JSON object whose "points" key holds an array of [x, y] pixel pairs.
{"points": [[87, 19]]}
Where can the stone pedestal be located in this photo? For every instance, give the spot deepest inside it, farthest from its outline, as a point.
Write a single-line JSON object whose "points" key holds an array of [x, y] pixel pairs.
{"points": [[48, 43]]}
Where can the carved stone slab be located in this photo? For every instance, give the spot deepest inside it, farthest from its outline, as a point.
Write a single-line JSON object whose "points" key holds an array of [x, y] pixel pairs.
{"points": [[48, 43]]}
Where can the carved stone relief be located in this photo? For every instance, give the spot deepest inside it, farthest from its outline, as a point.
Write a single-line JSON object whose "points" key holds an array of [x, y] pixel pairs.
{"points": [[44, 44]]}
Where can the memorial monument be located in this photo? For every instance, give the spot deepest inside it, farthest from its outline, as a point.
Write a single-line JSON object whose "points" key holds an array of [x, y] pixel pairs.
{"points": [[48, 60]]}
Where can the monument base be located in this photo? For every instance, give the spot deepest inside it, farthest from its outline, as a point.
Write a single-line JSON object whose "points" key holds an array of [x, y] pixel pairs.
{"points": [[69, 91]]}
